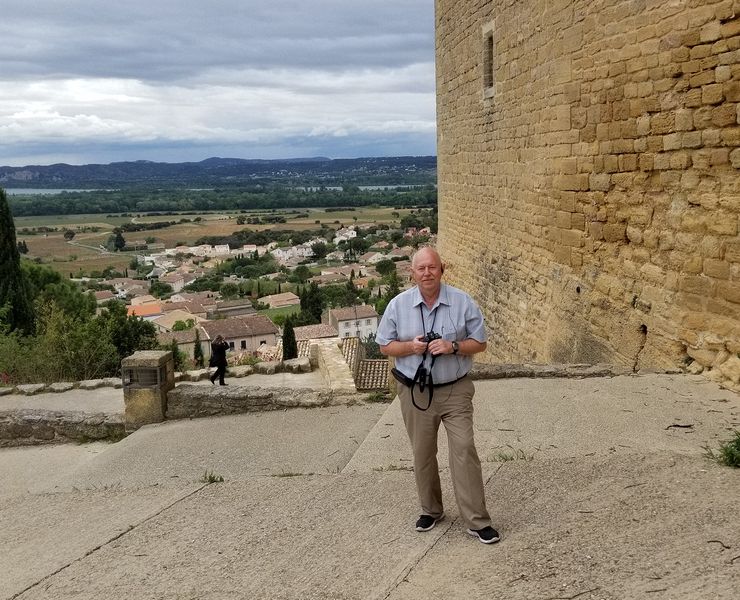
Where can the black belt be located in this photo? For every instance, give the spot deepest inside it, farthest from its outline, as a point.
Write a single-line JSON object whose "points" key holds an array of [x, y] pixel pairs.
{"points": [[408, 382]]}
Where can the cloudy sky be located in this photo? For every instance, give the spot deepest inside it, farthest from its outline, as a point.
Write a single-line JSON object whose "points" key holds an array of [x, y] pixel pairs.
{"points": [[92, 81]]}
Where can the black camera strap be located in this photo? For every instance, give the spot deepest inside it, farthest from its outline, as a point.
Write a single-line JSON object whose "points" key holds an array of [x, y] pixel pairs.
{"points": [[422, 377]]}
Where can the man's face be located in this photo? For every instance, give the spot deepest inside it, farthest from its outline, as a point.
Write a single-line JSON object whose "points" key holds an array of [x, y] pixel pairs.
{"points": [[427, 271]]}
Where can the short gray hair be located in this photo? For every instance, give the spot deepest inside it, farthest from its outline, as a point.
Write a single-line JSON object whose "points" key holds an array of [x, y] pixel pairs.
{"points": [[424, 247]]}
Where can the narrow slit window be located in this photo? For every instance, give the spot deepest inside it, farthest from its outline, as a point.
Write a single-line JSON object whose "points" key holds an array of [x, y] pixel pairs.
{"points": [[489, 62]]}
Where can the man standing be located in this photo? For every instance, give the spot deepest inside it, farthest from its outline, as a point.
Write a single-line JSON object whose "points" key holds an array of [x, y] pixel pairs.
{"points": [[219, 346], [433, 330]]}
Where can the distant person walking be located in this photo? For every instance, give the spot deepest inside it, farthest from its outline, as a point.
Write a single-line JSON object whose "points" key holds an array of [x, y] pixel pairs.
{"points": [[433, 330], [219, 346]]}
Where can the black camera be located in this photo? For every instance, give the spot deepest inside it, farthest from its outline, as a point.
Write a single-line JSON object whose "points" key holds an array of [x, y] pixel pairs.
{"points": [[431, 336]]}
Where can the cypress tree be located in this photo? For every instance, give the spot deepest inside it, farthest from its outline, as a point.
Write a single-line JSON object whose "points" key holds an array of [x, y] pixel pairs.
{"points": [[290, 346], [198, 351], [14, 293]]}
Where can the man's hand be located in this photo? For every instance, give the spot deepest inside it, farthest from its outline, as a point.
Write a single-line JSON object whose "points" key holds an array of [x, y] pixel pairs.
{"points": [[440, 346], [418, 345]]}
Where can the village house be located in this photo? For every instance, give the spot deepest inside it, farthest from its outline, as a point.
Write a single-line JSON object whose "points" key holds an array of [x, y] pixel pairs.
{"points": [[143, 299], [328, 279], [185, 341], [194, 308], [206, 299], [167, 321], [344, 234], [104, 296], [314, 332], [147, 311], [354, 321], [243, 334], [371, 258], [231, 308], [281, 300]]}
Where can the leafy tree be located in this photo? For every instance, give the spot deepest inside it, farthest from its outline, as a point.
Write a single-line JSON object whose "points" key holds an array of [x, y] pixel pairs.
{"points": [[320, 250], [69, 235], [13, 287], [183, 325], [198, 351], [229, 290], [127, 333], [119, 243], [73, 348], [47, 285], [372, 349], [385, 267], [302, 273], [290, 346], [394, 287], [312, 302], [158, 289], [178, 355]]}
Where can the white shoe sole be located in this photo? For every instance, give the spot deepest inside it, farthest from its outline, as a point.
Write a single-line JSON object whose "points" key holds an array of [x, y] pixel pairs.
{"points": [[481, 540], [431, 526]]}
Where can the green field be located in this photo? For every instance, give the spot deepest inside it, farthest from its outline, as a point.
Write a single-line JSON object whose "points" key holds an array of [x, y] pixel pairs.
{"points": [[83, 253]]}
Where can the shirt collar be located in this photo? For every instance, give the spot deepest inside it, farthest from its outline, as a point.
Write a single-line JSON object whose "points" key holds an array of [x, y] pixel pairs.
{"points": [[441, 299]]}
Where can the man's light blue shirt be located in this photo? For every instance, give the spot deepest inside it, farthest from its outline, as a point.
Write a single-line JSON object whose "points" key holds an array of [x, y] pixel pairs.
{"points": [[455, 316]]}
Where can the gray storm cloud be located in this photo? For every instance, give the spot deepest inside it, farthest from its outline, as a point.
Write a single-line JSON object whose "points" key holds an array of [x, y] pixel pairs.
{"points": [[280, 78]]}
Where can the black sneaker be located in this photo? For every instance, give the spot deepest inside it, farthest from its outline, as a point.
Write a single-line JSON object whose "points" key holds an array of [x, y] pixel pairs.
{"points": [[487, 535], [426, 522]]}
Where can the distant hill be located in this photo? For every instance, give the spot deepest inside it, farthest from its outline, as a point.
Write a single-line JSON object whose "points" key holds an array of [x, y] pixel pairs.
{"points": [[226, 172]]}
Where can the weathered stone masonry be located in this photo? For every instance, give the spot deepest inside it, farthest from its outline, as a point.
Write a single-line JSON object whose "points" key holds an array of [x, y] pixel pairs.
{"points": [[590, 185]]}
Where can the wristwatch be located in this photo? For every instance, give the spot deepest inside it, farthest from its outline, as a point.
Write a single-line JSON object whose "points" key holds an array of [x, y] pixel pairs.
{"points": [[455, 347]]}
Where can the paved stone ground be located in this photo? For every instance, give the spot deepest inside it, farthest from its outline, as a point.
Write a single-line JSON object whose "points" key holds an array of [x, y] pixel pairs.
{"points": [[599, 487]]}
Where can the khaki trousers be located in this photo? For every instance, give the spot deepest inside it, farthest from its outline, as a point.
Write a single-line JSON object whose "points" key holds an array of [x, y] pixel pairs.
{"points": [[453, 406]]}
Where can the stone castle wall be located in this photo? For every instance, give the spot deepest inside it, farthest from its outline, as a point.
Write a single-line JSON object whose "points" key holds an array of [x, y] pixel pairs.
{"points": [[589, 186]]}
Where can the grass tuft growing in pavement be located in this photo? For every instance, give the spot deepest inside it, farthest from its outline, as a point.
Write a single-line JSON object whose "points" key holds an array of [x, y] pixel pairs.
{"points": [[211, 477], [728, 453]]}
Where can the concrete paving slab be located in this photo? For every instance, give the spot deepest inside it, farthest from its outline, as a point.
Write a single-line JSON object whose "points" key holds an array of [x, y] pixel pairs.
{"points": [[604, 527], [41, 534], [43, 469], [280, 538], [573, 417], [320, 440], [599, 487]]}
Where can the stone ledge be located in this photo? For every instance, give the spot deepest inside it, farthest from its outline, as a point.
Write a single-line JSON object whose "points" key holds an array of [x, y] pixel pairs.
{"points": [[506, 371], [27, 427], [30, 389], [190, 401]]}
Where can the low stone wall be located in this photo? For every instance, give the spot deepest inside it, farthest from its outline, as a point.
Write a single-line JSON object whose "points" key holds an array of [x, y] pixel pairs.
{"points": [[25, 427], [190, 401], [31, 389], [509, 371]]}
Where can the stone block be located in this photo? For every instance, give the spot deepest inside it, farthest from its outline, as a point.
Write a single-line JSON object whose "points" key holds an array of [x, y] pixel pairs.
{"points": [[703, 356], [59, 387], [731, 91], [600, 182], [719, 269], [729, 290], [267, 367], [731, 369], [724, 115], [571, 182], [91, 384], [297, 365], [30, 389], [712, 94], [615, 232]]}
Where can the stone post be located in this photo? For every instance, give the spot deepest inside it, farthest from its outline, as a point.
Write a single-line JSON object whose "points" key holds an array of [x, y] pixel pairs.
{"points": [[147, 377]]}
